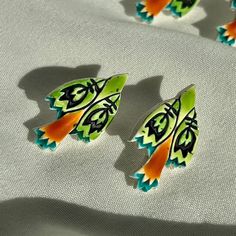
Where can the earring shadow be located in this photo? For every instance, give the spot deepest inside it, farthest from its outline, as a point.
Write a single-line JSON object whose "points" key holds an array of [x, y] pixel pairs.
{"points": [[135, 101], [129, 7], [38, 83], [214, 17]]}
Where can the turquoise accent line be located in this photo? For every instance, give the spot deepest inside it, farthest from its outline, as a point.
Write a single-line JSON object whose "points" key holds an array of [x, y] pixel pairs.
{"points": [[143, 15], [233, 4], [148, 146], [51, 100], [43, 143], [81, 136], [175, 163], [144, 186], [222, 38], [173, 10]]}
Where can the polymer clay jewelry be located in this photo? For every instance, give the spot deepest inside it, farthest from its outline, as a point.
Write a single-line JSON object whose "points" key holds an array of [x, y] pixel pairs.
{"points": [[170, 135], [85, 107], [227, 32], [148, 9]]}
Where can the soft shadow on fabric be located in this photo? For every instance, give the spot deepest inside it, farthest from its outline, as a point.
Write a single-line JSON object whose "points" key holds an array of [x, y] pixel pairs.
{"points": [[38, 83], [41, 216], [129, 7], [214, 17], [136, 100]]}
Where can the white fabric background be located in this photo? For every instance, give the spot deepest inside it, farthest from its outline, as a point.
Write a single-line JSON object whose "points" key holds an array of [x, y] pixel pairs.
{"points": [[84, 189]]}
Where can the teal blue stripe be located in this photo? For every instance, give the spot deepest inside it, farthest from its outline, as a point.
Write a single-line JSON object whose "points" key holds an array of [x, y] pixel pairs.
{"points": [[148, 146], [233, 4], [222, 38], [51, 100], [43, 143], [173, 10], [175, 163], [144, 186], [143, 15]]}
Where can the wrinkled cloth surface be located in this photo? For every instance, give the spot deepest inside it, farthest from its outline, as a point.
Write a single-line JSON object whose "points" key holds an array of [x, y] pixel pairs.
{"points": [[85, 189]]}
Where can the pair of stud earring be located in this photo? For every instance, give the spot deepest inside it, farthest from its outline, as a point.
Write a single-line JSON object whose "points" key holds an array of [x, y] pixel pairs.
{"points": [[148, 9], [86, 107]]}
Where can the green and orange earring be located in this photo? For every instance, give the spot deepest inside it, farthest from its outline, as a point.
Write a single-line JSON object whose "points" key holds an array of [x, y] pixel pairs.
{"points": [[169, 134], [148, 9], [85, 107]]}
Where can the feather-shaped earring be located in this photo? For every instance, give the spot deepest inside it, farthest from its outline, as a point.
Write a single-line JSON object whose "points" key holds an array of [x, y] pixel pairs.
{"points": [[148, 9], [85, 107], [170, 135], [227, 32]]}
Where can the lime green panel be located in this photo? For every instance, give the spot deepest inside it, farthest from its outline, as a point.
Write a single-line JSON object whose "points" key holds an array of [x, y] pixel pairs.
{"points": [[185, 140], [159, 124], [97, 118], [182, 7], [114, 84], [77, 94], [187, 100]]}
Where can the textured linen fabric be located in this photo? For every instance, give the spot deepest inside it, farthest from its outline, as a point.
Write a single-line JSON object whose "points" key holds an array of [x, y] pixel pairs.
{"points": [[85, 189]]}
